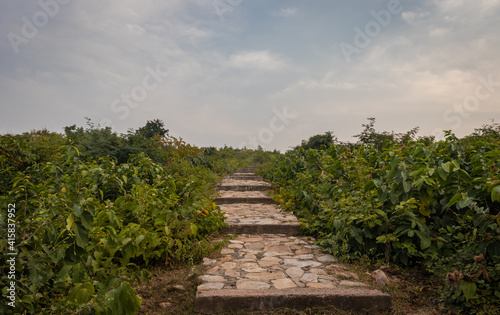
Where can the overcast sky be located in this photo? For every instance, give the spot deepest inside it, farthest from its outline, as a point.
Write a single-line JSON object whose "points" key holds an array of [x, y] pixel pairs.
{"points": [[246, 72]]}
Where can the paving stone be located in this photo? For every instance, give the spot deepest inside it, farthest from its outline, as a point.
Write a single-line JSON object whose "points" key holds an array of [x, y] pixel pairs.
{"points": [[210, 286], [278, 250], [318, 271], [251, 285], [328, 279], [269, 261], [208, 278], [347, 275], [298, 283], [254, 246], [306, 257], [228, 265], [301, 251], [327, 258], [232, 273], [301, 263], [320, 285], [213, 270], [208, 261], [294, 272], [285, 283], [309, 277], [265, 275], [254, 270], [346, 283]]}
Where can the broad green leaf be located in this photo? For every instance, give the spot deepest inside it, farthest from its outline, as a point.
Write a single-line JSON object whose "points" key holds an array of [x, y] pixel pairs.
{"points": [[82, 292], [139, 239], [464, 203], [37, 274], [442, 173], [193, 229], [429, 181], [426, 212], [425, 241], [82, 236], [127, 240], [454, 199], [382, 239], [87, 219], [455, 164], [123, 300], [468, 288], [495, 194], [446, 167], [77, 210], [63, 274], [418, 183], [406, 186], [431, 171], [70, 220], [393, 198]]}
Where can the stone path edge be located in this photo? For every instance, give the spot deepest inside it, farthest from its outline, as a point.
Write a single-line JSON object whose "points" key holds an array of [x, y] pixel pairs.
{"points": [[297, 298], [244, 188], [221, 201], [245, 177], [263, 229]]}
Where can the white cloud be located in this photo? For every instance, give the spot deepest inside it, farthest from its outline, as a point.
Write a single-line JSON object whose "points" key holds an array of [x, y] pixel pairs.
{"points": [[136, 29], [257, 59], [286, 12], [439, 32], [412, 17]]}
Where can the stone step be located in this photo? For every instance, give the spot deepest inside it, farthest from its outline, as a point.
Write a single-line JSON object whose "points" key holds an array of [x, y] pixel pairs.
{"points": [[251, 200], [249, 169], [259, 219], [244, 185], [262, 272], [251, 197], [244, 188], [245, 177], [352, 299]]}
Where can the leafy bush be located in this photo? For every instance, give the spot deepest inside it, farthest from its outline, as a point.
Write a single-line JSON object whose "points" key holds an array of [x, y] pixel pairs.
{"points": [[88, 228], [90, 223]]}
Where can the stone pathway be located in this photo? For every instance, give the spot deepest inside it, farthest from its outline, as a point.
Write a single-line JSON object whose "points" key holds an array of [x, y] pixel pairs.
{"points": [[266, 266]]}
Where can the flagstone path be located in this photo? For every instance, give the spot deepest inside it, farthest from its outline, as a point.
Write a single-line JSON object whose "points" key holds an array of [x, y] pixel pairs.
{"points": [[268, 265]]}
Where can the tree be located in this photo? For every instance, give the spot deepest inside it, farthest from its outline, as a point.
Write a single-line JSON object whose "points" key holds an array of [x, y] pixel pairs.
{"points": [[319, 141], [153, 128]]}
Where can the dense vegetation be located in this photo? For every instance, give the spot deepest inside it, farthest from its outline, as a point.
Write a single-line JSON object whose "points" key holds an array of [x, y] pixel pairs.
{"points": [[406, 201], [95, 210]]}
